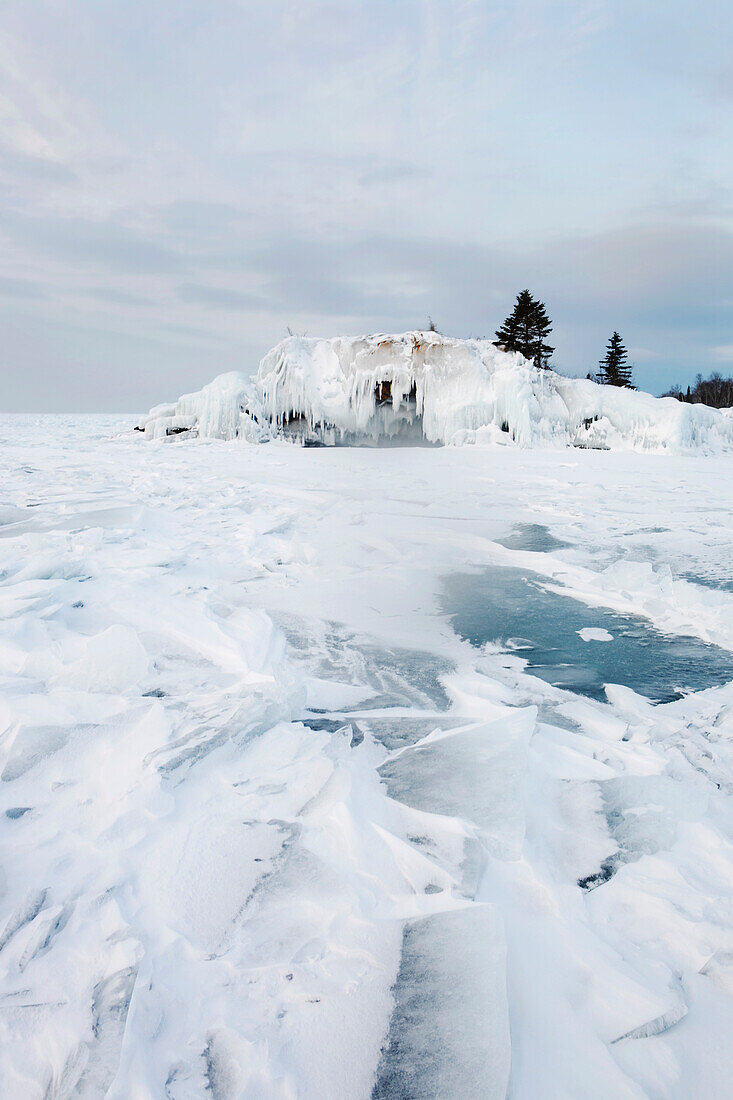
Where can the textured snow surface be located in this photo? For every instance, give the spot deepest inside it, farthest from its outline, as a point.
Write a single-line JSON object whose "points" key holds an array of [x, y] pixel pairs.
{"points": [[270, 829], [440, 390]]}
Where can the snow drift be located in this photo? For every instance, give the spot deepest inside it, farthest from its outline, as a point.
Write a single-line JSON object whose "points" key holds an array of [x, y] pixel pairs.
{"points": [[425, 387]]}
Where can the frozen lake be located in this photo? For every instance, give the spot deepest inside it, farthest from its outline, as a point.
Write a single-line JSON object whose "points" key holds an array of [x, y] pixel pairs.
{"points": [[312, 786]]}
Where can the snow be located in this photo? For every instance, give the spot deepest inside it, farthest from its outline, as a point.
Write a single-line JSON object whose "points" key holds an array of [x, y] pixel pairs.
{"points": [[441, 390], [220, 410], [271, 828]]}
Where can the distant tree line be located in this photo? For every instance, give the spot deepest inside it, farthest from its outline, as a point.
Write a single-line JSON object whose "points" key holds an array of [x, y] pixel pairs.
{"points": [[715, 391]]}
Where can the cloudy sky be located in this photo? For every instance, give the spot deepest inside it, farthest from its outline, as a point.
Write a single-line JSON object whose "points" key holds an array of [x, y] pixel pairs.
{"points": [[181, 180]]}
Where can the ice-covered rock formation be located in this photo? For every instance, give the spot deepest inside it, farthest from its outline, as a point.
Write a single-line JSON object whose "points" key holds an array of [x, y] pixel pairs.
{"points": [[425, 387], [221, 410]]}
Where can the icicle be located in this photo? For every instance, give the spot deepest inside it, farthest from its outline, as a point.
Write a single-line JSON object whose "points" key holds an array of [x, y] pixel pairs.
{"points": [[437, 389]]}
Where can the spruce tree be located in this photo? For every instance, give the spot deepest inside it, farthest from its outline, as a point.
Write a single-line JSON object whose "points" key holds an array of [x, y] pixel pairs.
{"points": [[526, 329], [615, 371]]}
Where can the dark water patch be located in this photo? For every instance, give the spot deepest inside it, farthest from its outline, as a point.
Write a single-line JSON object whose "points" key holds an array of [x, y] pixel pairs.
{"points": [[606, 872], [534, 537], [511, 608], [330, 725]]}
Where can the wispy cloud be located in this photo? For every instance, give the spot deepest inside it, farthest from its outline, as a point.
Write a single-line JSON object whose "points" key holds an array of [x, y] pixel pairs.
{"points": [[21, 288], [103, 243], [181, 181], [723, 353], [218, 297]]}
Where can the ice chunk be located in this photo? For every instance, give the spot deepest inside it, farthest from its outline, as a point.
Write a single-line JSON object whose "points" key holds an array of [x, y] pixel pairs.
{"points": [[475, 773], [449, 1033], [719, 968], [658, 1024], [644, 812], [594, 634]]}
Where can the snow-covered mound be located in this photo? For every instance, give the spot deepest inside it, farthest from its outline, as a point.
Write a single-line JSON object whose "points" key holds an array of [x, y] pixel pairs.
{"points": [[428, 387], [221, 410]]}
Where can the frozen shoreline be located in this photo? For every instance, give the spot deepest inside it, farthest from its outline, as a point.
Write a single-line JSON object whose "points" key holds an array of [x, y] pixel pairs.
{"points": [[435, 389], [228, 692]]}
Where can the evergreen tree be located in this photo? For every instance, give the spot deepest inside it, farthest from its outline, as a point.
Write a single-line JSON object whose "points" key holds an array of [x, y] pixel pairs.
{"points": [[526, 329], [615, 371]]}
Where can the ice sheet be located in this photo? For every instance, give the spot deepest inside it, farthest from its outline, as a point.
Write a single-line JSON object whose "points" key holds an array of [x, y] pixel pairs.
{"points": [[259, 798]]}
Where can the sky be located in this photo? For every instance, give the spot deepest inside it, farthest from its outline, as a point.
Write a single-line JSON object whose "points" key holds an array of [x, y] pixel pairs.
{"points": [[182, 181]]}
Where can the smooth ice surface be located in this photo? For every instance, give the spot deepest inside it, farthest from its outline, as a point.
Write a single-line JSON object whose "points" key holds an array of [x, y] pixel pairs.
{"points": [[535, 537], [425, 387], [516, 610], [269, 828], [475, 772]]}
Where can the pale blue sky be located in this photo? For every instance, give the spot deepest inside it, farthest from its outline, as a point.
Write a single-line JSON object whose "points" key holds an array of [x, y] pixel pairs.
{"points": [[181, 180]]}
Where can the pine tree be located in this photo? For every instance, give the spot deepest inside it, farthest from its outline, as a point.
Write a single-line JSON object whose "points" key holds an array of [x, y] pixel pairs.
{"points": [[526, 329], [615, 371]]}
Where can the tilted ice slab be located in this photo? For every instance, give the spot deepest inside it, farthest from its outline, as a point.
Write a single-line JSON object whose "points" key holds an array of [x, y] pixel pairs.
{"points": [[441, 389], [449, 1033]]}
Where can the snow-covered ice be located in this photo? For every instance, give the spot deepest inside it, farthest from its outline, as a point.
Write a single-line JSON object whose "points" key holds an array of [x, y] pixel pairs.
{"points": [[433, 388], [272, 828], [595, 634]]}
